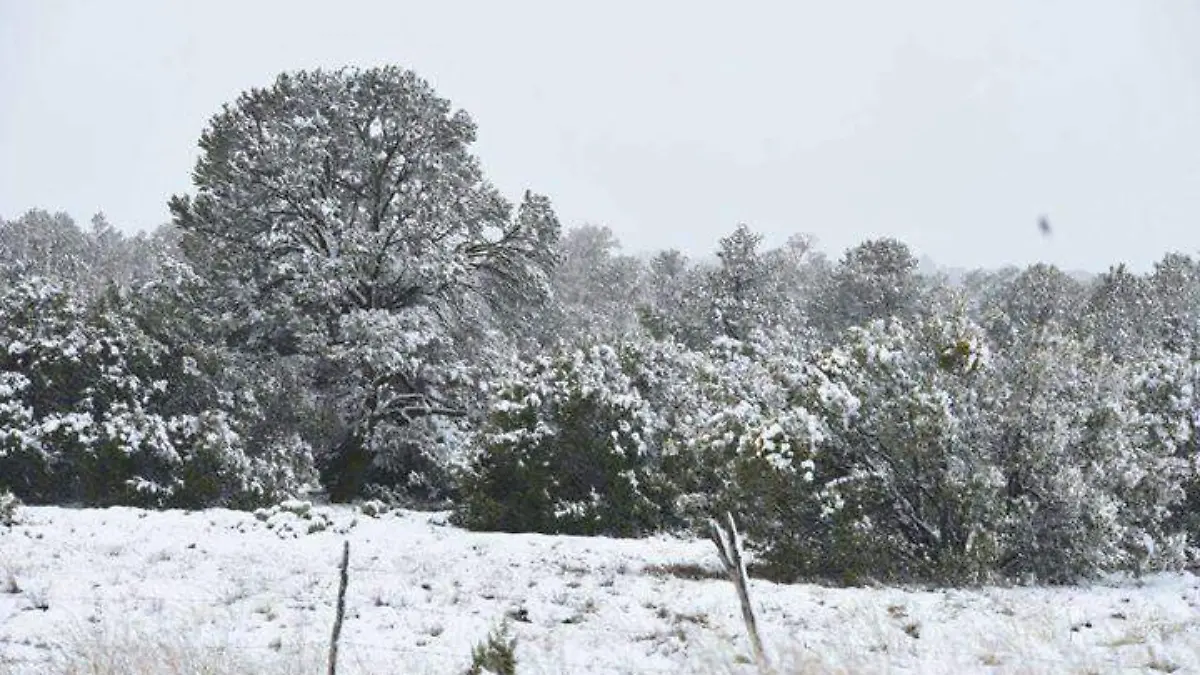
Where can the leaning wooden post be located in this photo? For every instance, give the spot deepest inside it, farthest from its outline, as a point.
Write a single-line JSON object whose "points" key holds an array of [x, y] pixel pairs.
{"points": [[341, 609], [729, 548]]}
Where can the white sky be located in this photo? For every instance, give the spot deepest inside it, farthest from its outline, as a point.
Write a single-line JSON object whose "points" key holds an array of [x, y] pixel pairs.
{"points": [[951, 125]]}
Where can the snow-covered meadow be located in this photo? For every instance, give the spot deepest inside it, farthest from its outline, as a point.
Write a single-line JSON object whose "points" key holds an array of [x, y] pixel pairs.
{"points": [[121, 590]]}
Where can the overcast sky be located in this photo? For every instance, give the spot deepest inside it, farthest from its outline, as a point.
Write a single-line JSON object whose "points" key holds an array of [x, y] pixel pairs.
{"points": [[950, 125]]}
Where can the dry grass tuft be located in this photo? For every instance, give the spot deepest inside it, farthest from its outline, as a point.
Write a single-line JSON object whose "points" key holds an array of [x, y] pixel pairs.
{"points": [[130, 653], [688, 571]]}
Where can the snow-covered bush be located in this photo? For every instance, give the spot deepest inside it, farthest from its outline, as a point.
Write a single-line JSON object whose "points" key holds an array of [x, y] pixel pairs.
{"points": [[374, 508], [496, 656], [570, 447], [1088, 482], [915, 453], [74, 414], [93, 409], [719, 396], [293, 518], [851, 461], [1142, 434]]}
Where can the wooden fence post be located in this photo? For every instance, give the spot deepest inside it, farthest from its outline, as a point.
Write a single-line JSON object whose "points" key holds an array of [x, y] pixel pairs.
{"points": [[729, 547], [341, 608]]}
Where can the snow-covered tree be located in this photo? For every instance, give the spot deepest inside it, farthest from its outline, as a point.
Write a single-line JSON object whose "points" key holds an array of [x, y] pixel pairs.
{"points": [[738, 288], [874, 280], [596, 288], [1040, 297], [332, 209], [89, 261], [43, 245], [748, 290], [796, 271], [1175, 285], [675, 302], [1118, 314]]}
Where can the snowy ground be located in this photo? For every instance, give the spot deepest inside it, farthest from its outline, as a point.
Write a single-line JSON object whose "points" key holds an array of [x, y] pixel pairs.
{"points": [[226, 585]]}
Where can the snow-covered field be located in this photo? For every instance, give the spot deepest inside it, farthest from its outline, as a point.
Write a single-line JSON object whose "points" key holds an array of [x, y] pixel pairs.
{"points": [[130, 590]]}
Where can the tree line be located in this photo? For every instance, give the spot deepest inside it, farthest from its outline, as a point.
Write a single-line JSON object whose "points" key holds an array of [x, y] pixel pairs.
{"points": [[344, 302]]}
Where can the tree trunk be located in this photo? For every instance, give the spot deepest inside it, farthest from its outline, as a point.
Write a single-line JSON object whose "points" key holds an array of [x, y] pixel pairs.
{"points": [[344, 472]]}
